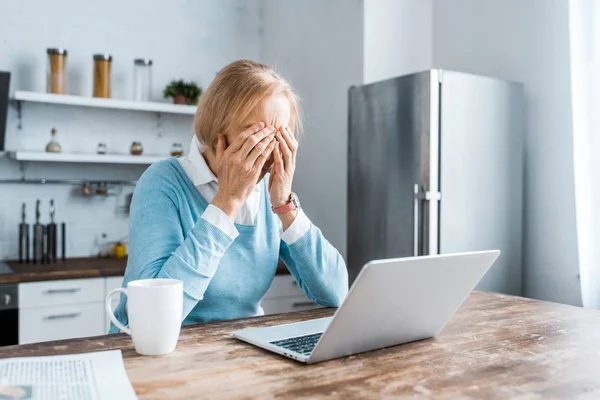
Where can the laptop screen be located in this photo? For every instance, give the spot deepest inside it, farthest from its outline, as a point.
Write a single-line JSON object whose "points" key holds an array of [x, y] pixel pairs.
{"points": [[4, 83]]}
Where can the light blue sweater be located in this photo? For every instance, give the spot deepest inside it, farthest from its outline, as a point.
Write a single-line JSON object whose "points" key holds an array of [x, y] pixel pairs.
{"points": [[222, 278]]}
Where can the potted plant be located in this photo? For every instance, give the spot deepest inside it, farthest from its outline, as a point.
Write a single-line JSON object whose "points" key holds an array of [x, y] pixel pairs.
{"points": [[183, 92]]}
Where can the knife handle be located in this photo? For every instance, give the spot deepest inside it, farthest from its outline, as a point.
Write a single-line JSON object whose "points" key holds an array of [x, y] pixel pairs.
{"points": [[27, 259], [52, 243], [44, 244], [37, 211], [63, 228], [38, 243], [21, 243]]}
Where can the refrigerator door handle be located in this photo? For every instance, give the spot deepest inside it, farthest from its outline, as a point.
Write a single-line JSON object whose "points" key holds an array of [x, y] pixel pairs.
{"points": [[421, 230], [430, 228], [416, 201]]}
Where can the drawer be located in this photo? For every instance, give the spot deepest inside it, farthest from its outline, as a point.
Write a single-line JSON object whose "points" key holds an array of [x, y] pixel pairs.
{"points": [[61, 322], [54, 293], [287, 304], [283, 286]]}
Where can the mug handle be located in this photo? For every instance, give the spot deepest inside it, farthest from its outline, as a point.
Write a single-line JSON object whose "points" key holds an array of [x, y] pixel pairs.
{"points": [[110, 313]]}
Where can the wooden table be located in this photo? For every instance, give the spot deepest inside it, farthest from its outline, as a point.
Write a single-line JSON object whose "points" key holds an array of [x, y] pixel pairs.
{"points": [[496, 347]]}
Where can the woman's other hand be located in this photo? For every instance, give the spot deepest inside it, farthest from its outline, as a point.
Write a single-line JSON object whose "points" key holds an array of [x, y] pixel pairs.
{"points": [[239, 166], [282, 174]]}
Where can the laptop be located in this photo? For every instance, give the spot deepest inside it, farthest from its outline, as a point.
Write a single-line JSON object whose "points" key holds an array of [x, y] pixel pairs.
{"points": [[391, 302]]}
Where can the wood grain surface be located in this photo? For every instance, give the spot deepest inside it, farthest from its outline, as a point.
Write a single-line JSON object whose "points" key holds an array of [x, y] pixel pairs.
{"points": [[71, 268], [75, 268], [495, 347]]}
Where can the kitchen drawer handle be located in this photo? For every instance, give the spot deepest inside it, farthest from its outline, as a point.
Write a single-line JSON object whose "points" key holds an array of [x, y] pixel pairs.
{"points": [[58, 291], [303, 304], [63, 316]]}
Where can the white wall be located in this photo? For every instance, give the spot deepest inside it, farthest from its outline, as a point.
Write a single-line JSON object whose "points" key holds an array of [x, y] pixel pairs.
{"points": [[317, 45], [323, 47], [527, 42], [397, 38], [185, 39]]}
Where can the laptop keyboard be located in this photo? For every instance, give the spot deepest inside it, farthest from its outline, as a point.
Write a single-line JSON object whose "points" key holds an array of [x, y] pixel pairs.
{"points": [[300, 344]]}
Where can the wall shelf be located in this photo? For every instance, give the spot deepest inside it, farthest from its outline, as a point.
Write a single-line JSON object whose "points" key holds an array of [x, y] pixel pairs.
{"points": [[116, 104], [84, 158]]}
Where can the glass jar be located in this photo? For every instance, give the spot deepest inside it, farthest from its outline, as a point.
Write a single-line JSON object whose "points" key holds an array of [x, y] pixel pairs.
{"points": [[86, 189], [142, 79], [176, 150], [56, 71], [53, 146], [102, 64], [102, 148], [102, 189], [136, 149]]}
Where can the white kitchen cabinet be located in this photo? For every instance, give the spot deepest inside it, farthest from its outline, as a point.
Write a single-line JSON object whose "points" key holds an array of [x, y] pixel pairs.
{"points": [[112, 283], [41, 324], [284, 295], [61, 309]]}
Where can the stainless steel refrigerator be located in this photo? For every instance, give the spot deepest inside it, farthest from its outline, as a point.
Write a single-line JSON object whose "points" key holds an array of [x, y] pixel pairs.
{"points": [[435, 165]]}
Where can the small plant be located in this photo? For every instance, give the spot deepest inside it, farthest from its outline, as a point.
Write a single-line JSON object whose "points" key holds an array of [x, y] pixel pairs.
{"points": [[183, 92]]}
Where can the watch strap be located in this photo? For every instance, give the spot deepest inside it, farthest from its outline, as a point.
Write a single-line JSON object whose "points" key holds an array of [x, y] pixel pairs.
{"points": [[291, 205]]}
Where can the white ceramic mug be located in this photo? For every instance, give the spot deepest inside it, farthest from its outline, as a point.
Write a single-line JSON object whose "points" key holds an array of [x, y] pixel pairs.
{"points": [[154, 308]]}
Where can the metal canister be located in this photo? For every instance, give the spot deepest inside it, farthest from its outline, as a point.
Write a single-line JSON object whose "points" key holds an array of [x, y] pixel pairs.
{"points": [[57, 71], [102, 64]]}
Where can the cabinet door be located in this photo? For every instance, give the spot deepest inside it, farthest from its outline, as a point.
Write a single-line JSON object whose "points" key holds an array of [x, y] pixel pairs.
{"points": [[60, 322]]}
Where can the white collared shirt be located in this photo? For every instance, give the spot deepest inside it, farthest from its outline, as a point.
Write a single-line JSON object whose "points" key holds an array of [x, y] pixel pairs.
{"points": [[207, 185]]}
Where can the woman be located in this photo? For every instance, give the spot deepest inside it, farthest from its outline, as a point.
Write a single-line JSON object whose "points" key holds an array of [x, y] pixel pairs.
{"points": [[218, 220]]}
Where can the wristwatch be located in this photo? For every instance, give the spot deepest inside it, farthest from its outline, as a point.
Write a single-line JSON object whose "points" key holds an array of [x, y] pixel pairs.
{"points": [[292, 204]]}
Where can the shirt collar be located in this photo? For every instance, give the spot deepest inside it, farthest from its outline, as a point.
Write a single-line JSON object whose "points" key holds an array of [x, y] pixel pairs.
{"points": [[201, 173]]}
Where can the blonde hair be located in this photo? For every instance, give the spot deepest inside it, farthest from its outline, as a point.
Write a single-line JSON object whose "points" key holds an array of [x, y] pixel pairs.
{"points": [[237, 90]]}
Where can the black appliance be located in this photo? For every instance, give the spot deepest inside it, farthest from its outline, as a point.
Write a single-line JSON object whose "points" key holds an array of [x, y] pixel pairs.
{"points": [[9, 310], [9, 315], [4, 84]]}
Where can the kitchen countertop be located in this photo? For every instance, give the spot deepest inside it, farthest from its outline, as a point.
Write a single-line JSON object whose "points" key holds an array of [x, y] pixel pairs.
{"points": [[75, 268], [71, 268], [496, 346]]}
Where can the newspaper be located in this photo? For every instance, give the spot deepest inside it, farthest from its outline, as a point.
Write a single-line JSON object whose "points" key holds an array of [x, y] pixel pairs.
{"points": [[94, 376]]}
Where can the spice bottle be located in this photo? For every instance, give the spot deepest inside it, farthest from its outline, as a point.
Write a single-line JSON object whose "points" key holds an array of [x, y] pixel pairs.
{"points": [[176, 150], [136, 149], [86, 189], [102, 189], [53, 146], [102, 64], [102, 148], [56, 71]]}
